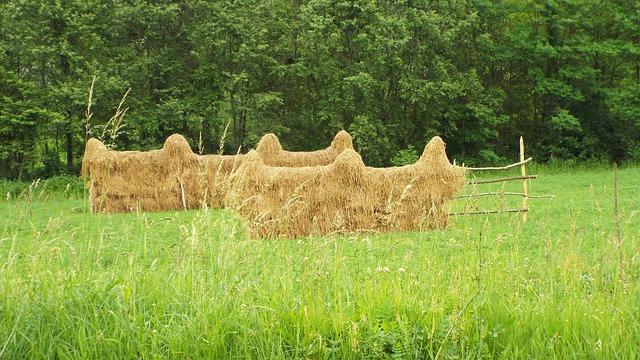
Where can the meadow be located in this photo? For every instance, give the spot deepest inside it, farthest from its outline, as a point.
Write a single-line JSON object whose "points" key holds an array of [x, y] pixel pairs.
{"points": [[189, 284]]}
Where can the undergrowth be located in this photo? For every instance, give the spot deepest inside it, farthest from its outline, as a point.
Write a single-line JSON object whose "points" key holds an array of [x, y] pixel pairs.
{"points": [[188, 284]]}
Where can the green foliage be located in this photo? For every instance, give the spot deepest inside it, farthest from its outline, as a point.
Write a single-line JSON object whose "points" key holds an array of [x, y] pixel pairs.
{"points": [[370, 140], [405, 156], [564, 74], [69, 186], [65, 183]]}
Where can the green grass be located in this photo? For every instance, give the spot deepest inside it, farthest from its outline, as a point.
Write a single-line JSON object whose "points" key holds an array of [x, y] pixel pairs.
{"points": [[189, 285]]}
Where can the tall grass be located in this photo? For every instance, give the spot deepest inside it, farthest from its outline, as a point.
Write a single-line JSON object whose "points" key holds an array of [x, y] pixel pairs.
{"points": [[58, 186], [189, 285]]}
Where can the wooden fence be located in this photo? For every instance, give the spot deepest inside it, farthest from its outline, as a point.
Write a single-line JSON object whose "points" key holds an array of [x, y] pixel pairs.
{"points": [[524, 177]]}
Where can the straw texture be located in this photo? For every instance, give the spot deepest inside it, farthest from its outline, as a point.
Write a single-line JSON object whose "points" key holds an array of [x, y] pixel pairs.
{"points": [[345, 196], [272, 153], [167, 179], [176, 178]]}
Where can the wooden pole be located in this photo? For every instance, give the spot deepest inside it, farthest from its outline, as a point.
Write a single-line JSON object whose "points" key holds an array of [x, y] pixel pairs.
{"points": [[505, 193], [485, 212], [499, 167], [182, 196], [490, 181], [525, 186]]}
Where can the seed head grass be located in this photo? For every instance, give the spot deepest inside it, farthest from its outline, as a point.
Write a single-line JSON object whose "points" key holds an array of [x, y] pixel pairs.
{"points": [[189, 284]]}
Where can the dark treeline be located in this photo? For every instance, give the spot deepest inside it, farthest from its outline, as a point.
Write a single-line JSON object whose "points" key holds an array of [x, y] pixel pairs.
{"points": [[565, 74]]}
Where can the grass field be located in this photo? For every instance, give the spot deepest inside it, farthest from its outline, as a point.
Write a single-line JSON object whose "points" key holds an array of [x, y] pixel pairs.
{"points": [[189, 285]]}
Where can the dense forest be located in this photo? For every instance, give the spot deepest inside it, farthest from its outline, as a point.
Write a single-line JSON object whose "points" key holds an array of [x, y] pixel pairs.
{"points": [[563, 73]]}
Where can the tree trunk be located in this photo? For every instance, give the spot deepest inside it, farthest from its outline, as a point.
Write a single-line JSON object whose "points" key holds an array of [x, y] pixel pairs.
{"points": [[69, 147]]}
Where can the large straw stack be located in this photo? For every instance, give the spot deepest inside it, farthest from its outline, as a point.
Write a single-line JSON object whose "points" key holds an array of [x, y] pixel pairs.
{"points": [[166, 179], [345, 196], [272, 154], [174, 177]]}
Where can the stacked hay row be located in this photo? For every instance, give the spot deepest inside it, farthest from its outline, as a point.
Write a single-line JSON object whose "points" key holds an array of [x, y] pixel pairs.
{"points": [[176, 178], [345, 196], [122, 181], [280, 193], [272, 154]]}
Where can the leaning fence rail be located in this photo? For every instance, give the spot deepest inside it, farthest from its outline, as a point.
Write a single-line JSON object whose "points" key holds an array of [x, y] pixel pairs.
{"points": [[524, 177], [505, 193]]}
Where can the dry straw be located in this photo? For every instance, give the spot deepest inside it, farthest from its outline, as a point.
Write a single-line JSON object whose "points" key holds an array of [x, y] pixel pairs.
{"points": [[345, 196], [121, 181], [272, 153], [176, 178]]}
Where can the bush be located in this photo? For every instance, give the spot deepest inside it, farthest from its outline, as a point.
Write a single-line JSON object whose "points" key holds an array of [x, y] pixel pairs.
{"points": [[65, 183], [405, 157], [10, 189], [61, 184]]}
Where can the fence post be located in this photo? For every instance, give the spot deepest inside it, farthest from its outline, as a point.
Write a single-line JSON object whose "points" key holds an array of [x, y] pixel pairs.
{"points": [[525, 187]]}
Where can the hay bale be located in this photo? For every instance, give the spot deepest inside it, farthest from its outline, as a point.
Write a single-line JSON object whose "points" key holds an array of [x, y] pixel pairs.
{"points": [[171, 178], [211, 177], [272, 153], [345, 196], [174, 177]]}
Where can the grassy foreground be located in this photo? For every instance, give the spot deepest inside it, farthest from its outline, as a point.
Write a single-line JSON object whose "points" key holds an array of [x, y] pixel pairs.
{"points": [[189, 285]]}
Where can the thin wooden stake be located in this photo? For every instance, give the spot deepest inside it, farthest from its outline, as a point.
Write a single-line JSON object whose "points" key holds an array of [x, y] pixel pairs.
{"points": [[525, 186], [618, 227], [615, 203], [182, 196], [91, 197]]}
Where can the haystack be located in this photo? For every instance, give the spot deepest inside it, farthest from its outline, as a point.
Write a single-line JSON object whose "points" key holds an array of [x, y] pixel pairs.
{"points": [[166, 179], [174, 177], [272, 153], [345, 196]]}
